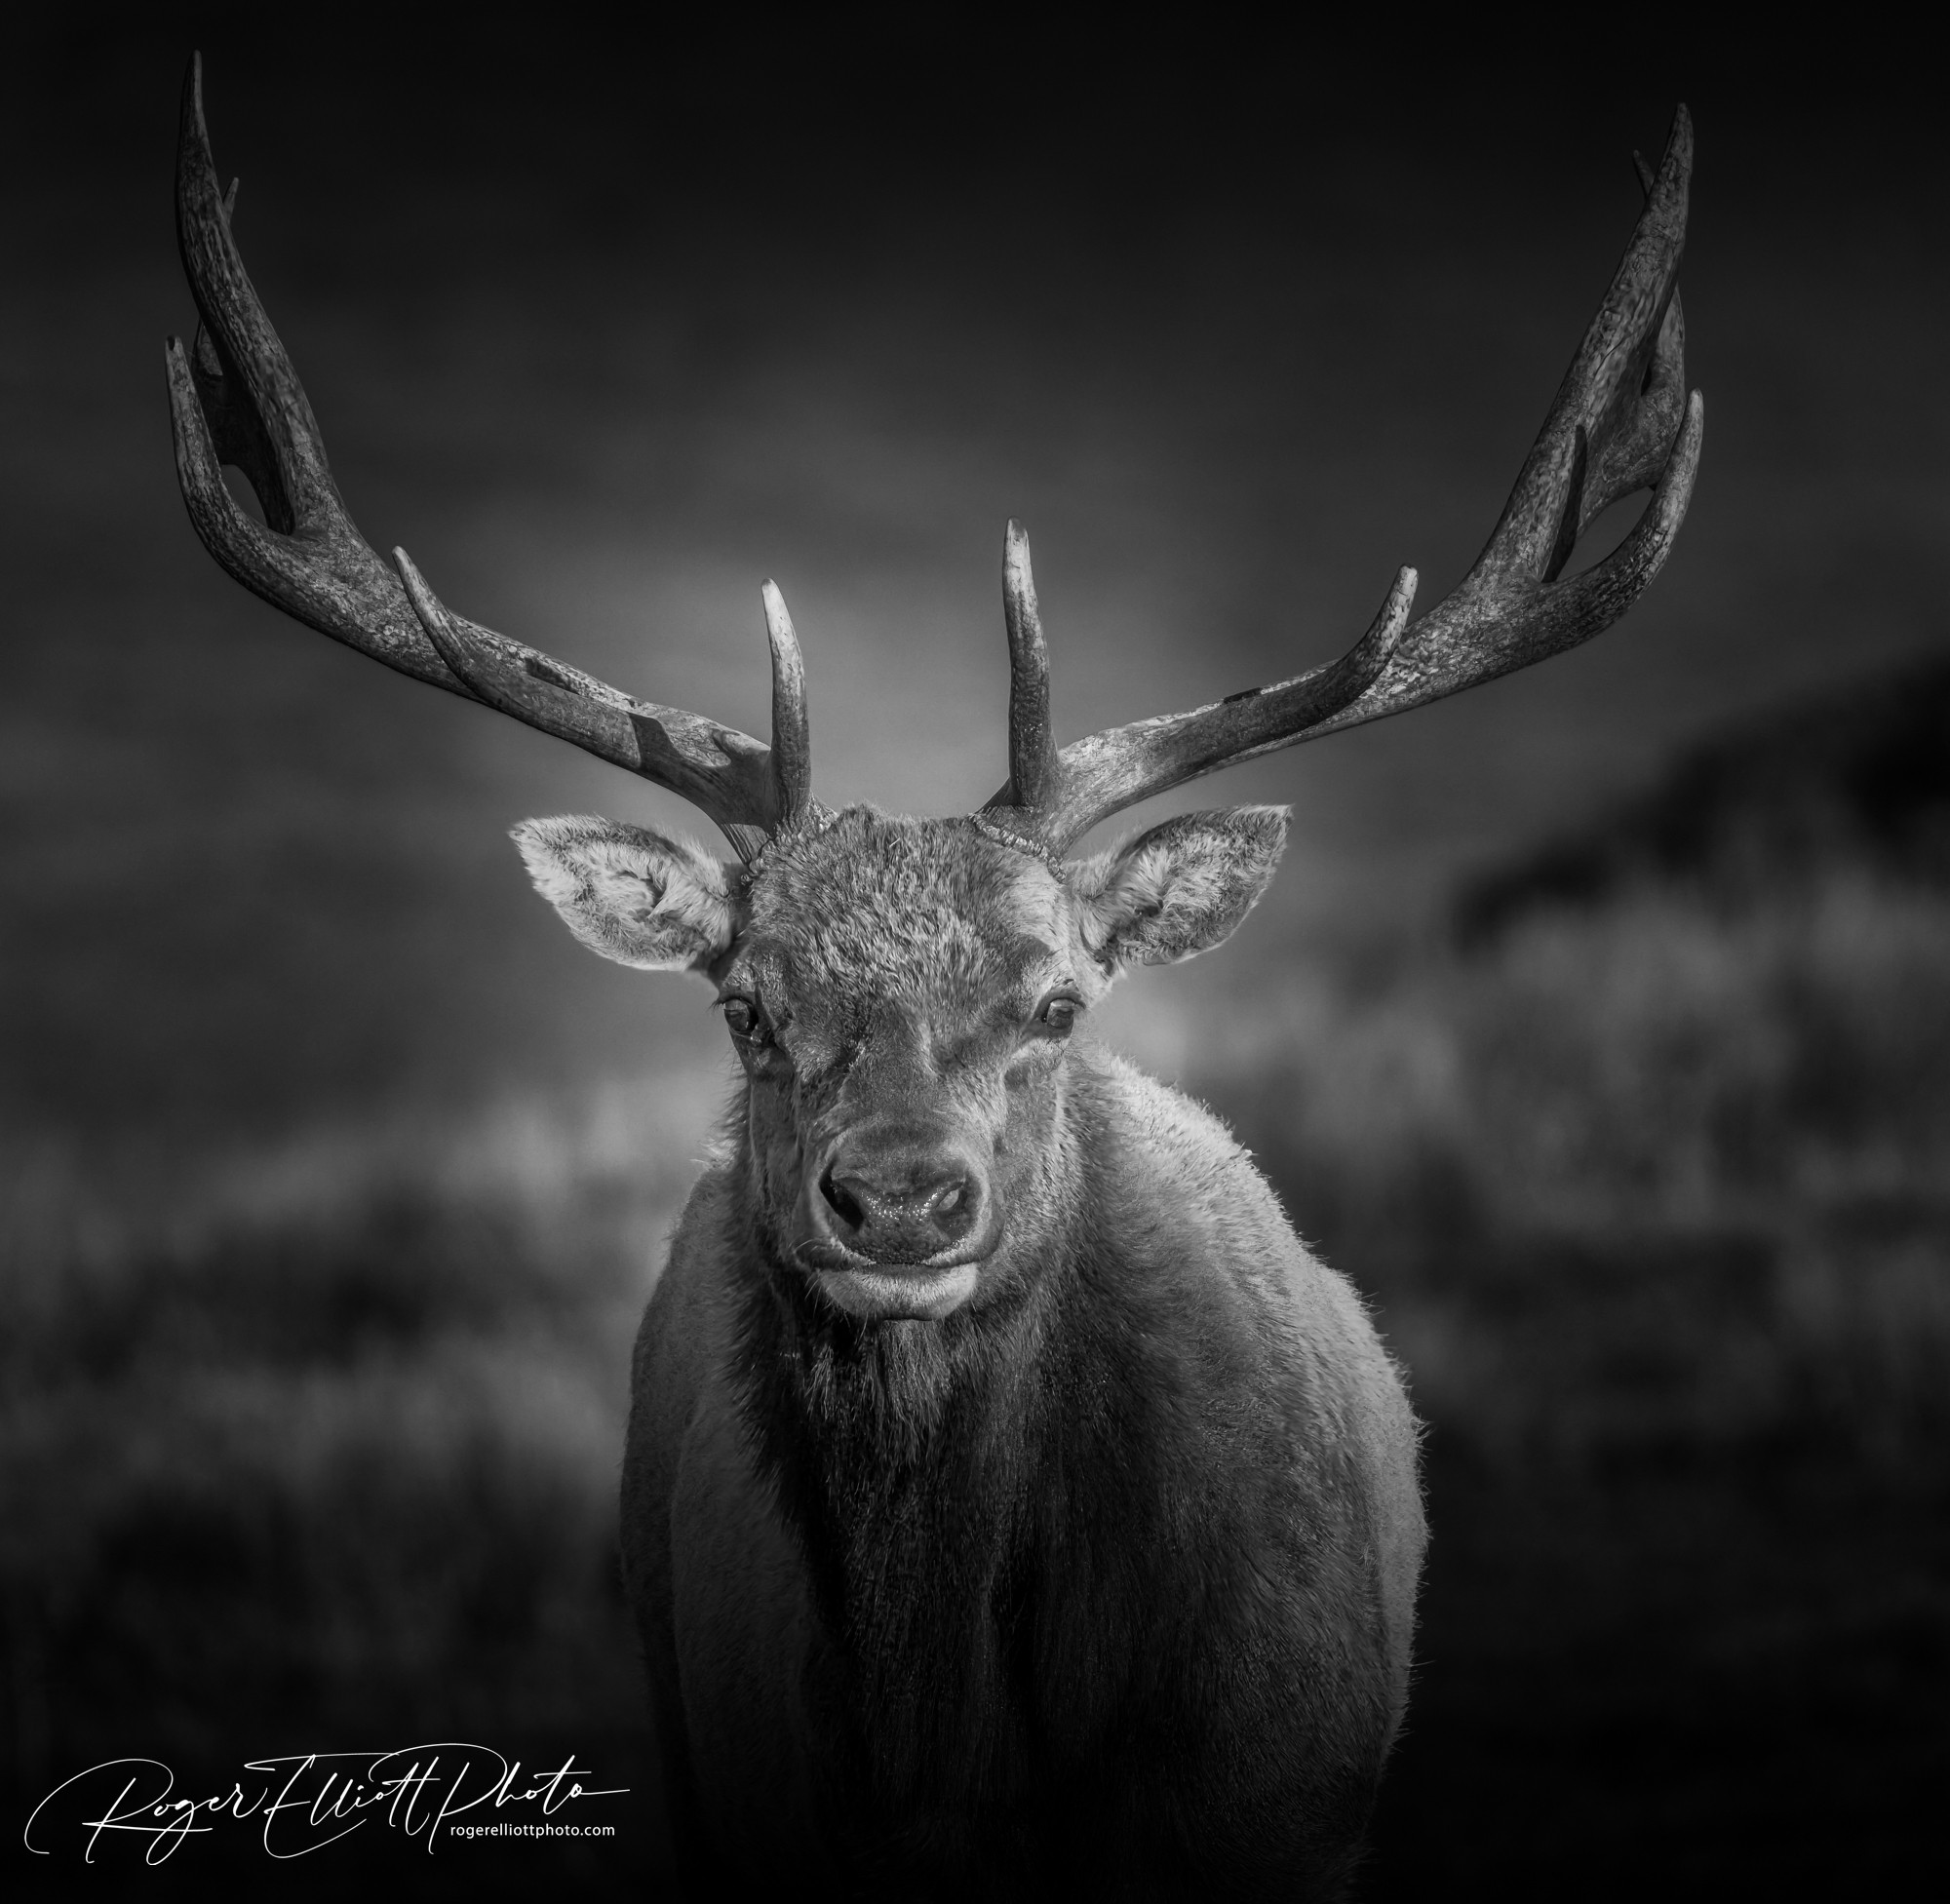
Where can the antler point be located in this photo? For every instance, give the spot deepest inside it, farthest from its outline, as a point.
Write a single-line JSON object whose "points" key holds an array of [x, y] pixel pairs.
{"points": [[195, 88], [778, 618]]}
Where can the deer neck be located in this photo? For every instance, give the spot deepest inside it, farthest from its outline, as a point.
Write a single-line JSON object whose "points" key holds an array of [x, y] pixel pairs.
{"points": [[903, 1454]]}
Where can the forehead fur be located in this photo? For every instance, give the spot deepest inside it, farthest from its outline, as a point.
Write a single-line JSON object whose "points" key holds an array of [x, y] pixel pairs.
{"points": [[881, 901]]}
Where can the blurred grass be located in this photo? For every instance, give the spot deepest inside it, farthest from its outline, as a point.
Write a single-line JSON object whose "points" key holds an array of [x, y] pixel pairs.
{"points": [[1648, 1178], [1666, 1172], [324, 1458]]}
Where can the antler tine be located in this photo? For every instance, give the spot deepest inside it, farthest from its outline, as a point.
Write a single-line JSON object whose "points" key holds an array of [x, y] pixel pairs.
{"points": [[1032, 761], [1620, 422], [792, 736], [236, 399]]}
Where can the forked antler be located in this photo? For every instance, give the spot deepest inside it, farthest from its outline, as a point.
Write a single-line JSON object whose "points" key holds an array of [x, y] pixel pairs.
{"points": [[1620, 422], [237, 399]]}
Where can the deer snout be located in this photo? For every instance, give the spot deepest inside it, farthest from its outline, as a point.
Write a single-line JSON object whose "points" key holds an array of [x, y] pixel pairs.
{"points": [[905, 1202]]}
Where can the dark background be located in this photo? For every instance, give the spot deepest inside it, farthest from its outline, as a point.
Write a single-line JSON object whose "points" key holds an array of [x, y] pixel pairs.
{"points": [[331, 1173]]}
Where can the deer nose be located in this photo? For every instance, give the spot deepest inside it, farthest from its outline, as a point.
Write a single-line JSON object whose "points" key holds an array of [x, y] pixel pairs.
{"points": [[901, 1205]]}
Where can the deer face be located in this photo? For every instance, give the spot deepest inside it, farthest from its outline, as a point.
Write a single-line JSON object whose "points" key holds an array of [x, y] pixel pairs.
{"points": [[902, 994]]}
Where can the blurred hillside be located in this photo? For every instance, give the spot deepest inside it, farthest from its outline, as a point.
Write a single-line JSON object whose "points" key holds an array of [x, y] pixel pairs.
{"points": [[1855, 781]]}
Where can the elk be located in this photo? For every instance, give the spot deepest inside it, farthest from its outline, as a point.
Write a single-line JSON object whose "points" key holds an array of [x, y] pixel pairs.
{"points": [[1011, 1503]]}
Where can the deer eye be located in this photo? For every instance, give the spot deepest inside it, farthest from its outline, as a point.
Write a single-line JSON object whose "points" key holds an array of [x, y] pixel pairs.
{"points": [[1057, 1013], [743, 1018]]}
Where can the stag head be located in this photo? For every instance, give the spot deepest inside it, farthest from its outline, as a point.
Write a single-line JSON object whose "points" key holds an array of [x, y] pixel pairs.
{"points": [[899, 991]]}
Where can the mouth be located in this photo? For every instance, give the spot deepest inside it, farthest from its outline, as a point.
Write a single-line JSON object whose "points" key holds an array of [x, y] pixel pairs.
{"points": [[916, 1292]]}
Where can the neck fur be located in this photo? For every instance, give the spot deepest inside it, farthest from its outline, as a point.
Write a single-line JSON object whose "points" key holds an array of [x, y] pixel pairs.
{"points": [[903, 1454]]}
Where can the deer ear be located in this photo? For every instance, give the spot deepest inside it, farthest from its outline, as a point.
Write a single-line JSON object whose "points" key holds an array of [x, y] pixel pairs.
{"points": [[1181, 888], [662, 905]]}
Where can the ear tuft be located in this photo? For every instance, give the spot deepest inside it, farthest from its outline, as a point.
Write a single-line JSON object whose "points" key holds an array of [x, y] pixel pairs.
{"points": [[660, 905], [1181, 888]]}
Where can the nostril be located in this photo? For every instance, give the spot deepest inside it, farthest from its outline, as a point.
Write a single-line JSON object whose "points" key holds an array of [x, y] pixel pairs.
{"points": [[951, 1211], [846, 1205]]}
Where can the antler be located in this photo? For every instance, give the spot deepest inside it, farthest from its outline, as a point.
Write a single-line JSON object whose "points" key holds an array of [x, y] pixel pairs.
{"points": [[1620, 422], [236, 399]]}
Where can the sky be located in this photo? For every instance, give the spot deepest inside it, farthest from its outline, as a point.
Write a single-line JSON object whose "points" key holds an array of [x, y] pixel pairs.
{"points": [[606, 339]]}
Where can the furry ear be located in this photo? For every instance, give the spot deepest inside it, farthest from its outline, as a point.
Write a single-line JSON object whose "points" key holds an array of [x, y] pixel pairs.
{"points": [[1181, 888], [662, 905]]}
